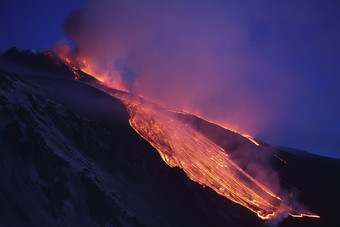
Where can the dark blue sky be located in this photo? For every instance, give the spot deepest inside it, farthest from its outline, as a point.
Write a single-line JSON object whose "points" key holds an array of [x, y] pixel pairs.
{"points": [[33, 24], [289, 51]]}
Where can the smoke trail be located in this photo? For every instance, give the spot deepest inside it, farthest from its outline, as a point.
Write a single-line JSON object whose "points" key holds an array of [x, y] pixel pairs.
{"points": [[190, 55], [273, 222], [254, 66]]}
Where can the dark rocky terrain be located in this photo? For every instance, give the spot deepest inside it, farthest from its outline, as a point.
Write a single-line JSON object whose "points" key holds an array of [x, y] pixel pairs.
{"points": [[68, 157]]}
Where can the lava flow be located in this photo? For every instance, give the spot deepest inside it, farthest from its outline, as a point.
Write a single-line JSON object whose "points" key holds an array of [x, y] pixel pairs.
{"points": [[202, 160]]}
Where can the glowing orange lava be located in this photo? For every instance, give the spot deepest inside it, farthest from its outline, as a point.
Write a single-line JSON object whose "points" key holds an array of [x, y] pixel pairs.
{"points": [[112, 81], [80, 65], [202, 160]]}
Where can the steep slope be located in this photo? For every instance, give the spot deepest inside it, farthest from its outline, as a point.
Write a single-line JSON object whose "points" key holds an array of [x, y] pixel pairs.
{"points": [[69, 153], [60, 168], [297, 176]]}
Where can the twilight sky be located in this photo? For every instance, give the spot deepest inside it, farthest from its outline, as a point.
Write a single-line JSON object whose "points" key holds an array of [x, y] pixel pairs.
{"points": [[266, 68]]}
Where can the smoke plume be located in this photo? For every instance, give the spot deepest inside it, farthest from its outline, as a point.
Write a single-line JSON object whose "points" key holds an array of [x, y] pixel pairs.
{"points": [[243, 64], [188, 55]]}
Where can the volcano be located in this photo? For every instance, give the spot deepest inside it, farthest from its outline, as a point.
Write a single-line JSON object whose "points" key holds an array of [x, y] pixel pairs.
{"points": [[76, 152]]}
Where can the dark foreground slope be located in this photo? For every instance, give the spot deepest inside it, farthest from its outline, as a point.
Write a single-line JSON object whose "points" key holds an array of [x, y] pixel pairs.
{"points": [[69, 157]]}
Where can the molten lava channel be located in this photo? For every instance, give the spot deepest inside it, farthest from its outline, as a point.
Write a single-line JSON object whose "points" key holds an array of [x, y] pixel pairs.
{"points": [[202, 160]]}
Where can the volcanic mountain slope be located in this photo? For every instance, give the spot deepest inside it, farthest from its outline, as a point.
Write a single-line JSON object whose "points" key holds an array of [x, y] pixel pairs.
{"points": [[70, 157]]}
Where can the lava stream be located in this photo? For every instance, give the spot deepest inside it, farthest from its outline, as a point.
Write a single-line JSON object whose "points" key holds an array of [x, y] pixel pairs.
{"points": [[201, 159]]}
